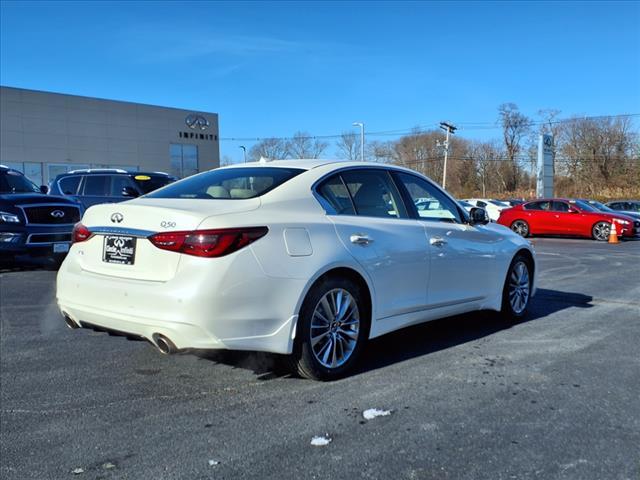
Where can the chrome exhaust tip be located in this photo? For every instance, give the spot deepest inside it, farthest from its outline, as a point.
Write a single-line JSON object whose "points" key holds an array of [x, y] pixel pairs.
{"points": [[164, 345], [70, 323]]}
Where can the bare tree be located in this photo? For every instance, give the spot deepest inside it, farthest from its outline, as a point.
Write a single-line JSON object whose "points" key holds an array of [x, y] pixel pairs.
{"points": [[515, 126], [348, 146], [272, 148], [226, 160], [303, 145]]}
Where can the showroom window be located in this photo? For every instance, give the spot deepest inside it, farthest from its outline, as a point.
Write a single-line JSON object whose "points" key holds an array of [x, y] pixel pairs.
{"points": [[184, 159]]}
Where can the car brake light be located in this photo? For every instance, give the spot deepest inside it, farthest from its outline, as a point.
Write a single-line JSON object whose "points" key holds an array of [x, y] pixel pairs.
{"points": [[208, 243], [80, 233]]}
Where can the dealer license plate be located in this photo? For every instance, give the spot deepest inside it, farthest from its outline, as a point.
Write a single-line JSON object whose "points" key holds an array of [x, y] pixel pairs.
{"points": [[119, 249]]}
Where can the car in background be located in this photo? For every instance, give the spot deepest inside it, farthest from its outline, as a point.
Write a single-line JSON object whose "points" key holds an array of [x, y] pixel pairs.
{"points": [[512, 202], [603, 208], [307, 258], [491, 206], [561, 216], [625, 206], [31, 222], [107, 185]]}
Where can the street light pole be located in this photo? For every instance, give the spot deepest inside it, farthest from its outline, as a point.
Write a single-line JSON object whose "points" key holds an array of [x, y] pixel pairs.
{"points": [[361, 125], [450, 130], [244, 152]]}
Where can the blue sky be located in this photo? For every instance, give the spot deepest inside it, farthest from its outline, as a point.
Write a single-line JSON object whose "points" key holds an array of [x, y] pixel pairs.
{"points": [[270, 69]]}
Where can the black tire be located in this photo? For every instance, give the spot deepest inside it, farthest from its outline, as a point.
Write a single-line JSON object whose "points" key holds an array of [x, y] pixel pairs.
{"points": [[600, 231], [304, 360], [510, 312], [521, 228]]}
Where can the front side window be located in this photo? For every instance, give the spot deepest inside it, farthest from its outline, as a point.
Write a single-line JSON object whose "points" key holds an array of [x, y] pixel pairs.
{"points": [[118, 182], [430, 202], [374, 194], [228, 183], [560, 207]]}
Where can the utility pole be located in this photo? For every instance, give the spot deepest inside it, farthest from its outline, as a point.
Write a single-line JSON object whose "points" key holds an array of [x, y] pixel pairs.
{"points": [[244, 152], [450, 129], [361, 125]]}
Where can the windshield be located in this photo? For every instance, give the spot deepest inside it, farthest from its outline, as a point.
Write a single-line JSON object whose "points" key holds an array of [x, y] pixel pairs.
{"points": [[229, 183], [584, 206], [15, 182], [148, 183], [499, 203]]}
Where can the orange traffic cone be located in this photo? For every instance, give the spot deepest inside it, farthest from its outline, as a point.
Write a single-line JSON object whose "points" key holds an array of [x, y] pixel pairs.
{"points": [[613, 234]]}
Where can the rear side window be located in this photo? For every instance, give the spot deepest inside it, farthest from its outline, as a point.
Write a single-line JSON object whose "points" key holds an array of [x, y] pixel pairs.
{"points": [[538, 206], [97, 185], [69, 185], [228, 183], [335, 192]]}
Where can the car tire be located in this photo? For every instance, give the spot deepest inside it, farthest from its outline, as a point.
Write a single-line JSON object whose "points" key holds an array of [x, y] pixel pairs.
{"points": [[600, 231], [516, 293], [521, 228], [332, 330]]}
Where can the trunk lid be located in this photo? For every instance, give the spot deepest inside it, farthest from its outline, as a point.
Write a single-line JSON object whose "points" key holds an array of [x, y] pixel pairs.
{"points": [[138, 219]]}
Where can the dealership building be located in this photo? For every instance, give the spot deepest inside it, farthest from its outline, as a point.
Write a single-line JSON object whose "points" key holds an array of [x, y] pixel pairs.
{"points": [[45, 134]]}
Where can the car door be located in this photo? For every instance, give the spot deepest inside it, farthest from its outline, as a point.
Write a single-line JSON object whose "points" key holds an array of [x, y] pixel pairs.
{"points": [[539, 216], [564, 221], [462, 257], [372, 223]]}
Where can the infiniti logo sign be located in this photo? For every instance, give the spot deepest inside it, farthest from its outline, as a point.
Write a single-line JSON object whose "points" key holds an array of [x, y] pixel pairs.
{"points": [[57, 214], [196, 122], [117, 218]]}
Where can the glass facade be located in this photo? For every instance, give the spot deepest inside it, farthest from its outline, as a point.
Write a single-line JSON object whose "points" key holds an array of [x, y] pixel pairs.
{"points": [[184, 159]]}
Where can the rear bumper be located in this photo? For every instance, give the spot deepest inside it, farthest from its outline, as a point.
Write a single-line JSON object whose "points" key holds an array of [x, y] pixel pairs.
{"points": [[225, 303]]}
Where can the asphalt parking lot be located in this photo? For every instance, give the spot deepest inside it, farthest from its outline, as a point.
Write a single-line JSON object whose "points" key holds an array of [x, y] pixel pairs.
{"points": [[556, 396]]}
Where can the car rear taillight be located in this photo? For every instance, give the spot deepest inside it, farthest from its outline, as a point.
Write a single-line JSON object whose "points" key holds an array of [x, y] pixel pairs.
{"points": [[80, 233], [208, 243]]}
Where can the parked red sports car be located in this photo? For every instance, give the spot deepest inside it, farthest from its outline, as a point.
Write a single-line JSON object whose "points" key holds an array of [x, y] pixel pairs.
{"points": [[559, 216]]}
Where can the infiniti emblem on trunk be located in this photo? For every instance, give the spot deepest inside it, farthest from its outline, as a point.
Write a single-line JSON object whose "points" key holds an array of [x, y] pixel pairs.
{"points": [[117, 217], [57, 214]]}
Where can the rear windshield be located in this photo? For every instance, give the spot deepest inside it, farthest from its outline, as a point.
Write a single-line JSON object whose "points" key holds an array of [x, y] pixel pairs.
{"points": [[229, 183], [148, 183]]}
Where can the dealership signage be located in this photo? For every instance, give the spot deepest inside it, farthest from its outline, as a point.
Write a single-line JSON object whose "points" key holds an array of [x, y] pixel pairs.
{"points": [[197, 123], [545, 166]]}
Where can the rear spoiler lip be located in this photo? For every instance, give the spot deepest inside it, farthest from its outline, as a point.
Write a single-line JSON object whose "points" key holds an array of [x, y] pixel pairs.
{"points": [[132, 232]]}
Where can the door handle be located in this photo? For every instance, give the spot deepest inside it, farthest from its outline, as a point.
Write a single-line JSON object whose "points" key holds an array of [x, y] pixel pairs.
{"points": [[437, 241], [360, 239]]}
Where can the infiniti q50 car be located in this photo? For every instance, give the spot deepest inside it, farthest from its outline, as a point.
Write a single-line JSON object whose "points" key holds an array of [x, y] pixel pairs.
{"points": [[304, 258]]}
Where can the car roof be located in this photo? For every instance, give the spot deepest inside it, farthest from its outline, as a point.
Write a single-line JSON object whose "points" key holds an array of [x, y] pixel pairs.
{"points": [[109, 171]]}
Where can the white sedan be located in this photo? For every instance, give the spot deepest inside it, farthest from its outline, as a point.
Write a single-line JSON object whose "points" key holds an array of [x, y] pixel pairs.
{"points": [[492, 207], [304, 258]]}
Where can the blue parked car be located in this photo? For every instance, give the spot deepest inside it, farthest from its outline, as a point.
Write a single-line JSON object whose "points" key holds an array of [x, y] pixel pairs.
{"points": [[31, 222], [107, 185]]}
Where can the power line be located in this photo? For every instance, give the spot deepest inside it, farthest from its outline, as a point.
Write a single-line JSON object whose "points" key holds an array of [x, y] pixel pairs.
{"points": [[420, 129]]}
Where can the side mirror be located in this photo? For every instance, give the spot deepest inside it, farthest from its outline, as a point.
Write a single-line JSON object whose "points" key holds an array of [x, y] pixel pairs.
{"points": [[478, 216], [129, 192], [44, 189]]}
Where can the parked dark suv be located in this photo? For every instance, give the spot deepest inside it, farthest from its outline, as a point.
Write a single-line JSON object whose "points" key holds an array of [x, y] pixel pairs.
{"points": [[93, 186], [32, 222]]}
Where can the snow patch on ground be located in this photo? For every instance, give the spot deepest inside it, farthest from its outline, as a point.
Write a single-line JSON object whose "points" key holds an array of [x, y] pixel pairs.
{"points": [[213, 463], [321, 441], [372, 413]]}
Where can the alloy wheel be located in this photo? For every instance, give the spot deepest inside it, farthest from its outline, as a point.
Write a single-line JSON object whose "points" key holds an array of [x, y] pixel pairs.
{"points": [[519, 288], [520, 227], [335, 326], [601, 231]]}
